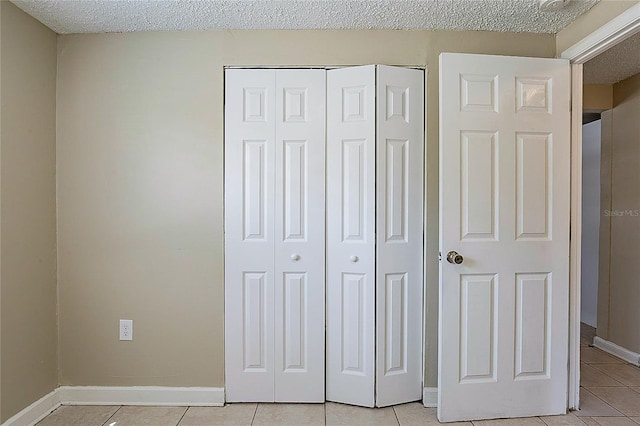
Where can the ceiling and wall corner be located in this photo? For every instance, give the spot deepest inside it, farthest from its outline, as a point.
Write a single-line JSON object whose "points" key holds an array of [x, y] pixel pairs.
{"points": [[96, 16], [616, 64], [601, 13]]}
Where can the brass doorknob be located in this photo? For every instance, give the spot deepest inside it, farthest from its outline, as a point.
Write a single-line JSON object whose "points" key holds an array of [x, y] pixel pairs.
{"points": [[454, 257]]}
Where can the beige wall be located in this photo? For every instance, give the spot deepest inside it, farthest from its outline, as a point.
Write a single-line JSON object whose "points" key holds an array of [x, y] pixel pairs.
{"points": [[621, 306], [28, 367], [596, 17], [604, 245], [597, 97], [140, 190]]}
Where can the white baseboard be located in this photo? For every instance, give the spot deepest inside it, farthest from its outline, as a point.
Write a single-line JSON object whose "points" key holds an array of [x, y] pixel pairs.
{"points": [[36, 411], [106, 395], [141, 395], [430, 397], [616, 350]]}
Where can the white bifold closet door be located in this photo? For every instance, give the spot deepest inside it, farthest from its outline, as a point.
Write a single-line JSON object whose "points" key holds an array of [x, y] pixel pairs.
{"points": [[375, 157], [275, 235]]}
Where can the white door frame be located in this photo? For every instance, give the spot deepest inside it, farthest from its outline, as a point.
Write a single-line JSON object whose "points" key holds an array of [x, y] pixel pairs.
{"points": [[613, 32]]}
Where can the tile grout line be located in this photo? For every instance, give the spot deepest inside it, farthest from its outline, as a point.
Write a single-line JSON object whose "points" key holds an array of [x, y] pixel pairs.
{"points": [[395, 414], [254, 413], [606, 374], [604, 402], [183, 414], [110, 417]]}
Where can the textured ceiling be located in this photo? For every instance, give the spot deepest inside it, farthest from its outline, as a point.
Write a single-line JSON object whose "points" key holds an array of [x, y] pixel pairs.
{"points": [[97, 16], [614, 65]]}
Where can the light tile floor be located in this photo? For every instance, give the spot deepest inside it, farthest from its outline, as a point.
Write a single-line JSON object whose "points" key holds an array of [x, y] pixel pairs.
{"points": [[610, 396]]}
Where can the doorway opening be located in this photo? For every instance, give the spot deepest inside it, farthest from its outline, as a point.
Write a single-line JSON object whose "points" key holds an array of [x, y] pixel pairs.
{"points": [[604, 42], [610, 200]]}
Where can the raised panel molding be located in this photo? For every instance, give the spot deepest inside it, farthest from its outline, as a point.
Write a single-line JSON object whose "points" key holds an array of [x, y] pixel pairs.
{"points": [[353, 108], [398, 103], [479, 93], [295, 321], [353, 323], [395, 350], [533, 94], [295, 105], [532, 334], [479, 186], [253, 328], [354, 176], [533, 186], [397, 190], [254, 188], [295, 190], [254, 104], [478, 317]]}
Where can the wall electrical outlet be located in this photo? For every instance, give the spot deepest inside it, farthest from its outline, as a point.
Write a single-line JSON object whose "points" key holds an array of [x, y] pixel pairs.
{"points": [[126, 329]]}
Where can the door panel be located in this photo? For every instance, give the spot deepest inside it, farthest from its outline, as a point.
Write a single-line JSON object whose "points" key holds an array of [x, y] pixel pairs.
{"points": [[533, 185], [254, 329], [532, 325], [399, 223], [504, 200], [249, 234], [255, 188], [299, 236], [478, 328], [352, 342], [350, 235], [479, 186]]}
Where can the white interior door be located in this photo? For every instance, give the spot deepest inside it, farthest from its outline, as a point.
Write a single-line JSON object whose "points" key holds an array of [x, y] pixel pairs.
{"points": [[350, 235], [274, 235], [399, 223], [300, 236], [504, 200], [250, 128], [375, 153]]}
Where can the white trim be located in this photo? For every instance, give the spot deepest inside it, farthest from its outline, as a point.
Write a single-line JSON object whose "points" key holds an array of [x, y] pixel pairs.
{"points": [[141, 395], [613, 32], [575, 255], [109, 395], [617, 350], [430, 397], [36, 411]]}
